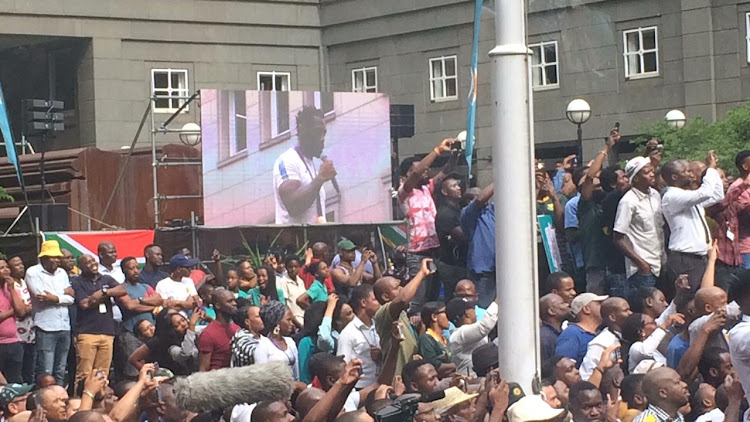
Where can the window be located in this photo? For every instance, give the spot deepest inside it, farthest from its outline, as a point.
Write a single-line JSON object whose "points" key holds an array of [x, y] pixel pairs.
{"points": [[443, 79], [641, 52], [238, 121], [544, 67], [747, 34], [273, 81], [365, 79], [169, 83]]}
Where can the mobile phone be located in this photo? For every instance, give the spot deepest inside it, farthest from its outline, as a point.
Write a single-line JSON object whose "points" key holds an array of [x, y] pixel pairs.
{"points": [[99, 373], [432, 266], [617, 126]]}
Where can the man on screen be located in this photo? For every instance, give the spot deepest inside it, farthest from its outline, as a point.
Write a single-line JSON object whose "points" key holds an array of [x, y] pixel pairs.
{"points": [[298, 183]]}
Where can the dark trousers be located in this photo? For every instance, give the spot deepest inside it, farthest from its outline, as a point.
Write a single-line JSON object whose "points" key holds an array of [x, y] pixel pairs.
{"points": [[11, 361], [450, 275], [682, 263], [29, 360], [426, 289], [486, 287]]}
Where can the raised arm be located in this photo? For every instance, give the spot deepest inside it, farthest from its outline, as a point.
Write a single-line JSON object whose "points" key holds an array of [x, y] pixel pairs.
{"points": [[587, 188], [447, 168], [687, 368], [709, 275], [411, 181], [407, 293], [333, 401], [353, 279]]}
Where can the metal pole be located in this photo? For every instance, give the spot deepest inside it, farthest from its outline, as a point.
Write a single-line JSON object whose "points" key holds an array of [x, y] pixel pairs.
{"points": [[515, 238], [154, 167], [43, 198], [196, 252], [580, 144]]}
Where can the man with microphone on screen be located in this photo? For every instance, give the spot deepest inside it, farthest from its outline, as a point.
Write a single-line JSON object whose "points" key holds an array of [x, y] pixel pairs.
{"points": [[298, 181]]}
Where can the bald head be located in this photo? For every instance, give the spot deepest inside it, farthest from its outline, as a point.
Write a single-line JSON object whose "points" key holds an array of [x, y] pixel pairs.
{"points": [[320, 250], [664, 388], [307, 399], [386, 289], [553, 307], [615, 310], [466, 289], [710, 299]]}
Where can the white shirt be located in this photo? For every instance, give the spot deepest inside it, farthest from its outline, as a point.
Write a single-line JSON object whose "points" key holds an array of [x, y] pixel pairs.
{"points": [[292, 290], [739, 350], [176, 290], [115, 273], [354, 343], [639, 218], [647, 349], [49, 316], [715, 415], [683, 210], [242, 412], [266, 351], [594, 352], [292, 165], [468, 337]]}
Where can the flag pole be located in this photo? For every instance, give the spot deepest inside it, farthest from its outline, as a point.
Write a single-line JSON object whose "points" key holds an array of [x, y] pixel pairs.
{"points": [[471, 110]]}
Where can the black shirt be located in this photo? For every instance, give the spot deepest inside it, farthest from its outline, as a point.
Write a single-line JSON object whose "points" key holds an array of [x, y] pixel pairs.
{"points": [[615, 259], [152, 278], [452, 252], [98, 319]]}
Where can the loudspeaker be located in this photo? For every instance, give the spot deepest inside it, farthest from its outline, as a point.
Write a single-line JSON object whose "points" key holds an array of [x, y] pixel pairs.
{"points": [[56, 216], [402, 120]]}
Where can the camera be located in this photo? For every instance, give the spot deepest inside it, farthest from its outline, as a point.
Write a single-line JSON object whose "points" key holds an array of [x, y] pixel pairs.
{"points": [[402, 409]]}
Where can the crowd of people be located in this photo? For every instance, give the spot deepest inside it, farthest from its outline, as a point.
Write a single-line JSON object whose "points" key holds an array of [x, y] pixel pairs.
{"points": [[646, 321]]}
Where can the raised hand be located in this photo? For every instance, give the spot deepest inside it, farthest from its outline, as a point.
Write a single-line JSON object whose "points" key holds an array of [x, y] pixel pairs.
{"points": [[350, 375], [327, 171]]}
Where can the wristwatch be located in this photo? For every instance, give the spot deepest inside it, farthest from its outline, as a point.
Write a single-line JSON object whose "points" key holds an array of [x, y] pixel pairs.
{"points": [[104, 289]]}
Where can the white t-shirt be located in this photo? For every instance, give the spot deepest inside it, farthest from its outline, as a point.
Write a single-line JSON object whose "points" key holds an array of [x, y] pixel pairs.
{"points": [[266, 351], [177, 290], [290, 166]]}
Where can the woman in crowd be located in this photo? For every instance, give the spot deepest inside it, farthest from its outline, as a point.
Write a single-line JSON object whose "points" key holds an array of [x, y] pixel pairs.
{"points": [[641, 337], [275, 343], [317, 291], [173, 345], [245, 340], [433, 346], [293, 287], [233, 284], [333, 323], [266, 288], [309, 337]]}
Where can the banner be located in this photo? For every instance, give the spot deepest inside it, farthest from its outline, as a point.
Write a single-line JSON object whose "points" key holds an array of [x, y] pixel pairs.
{"points": [[128, 243], [549, 240], [10, 146]]}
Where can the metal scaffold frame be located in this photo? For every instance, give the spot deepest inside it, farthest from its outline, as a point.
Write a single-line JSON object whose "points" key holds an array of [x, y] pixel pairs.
{"points": [[156, 162]]}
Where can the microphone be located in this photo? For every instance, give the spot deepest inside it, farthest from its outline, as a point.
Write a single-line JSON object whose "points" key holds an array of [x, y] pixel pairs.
{"points": [[222, 388], [334, 182]]}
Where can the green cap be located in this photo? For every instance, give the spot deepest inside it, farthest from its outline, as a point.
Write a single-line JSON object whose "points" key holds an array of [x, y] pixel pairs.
{"points": [[11, 391], [346, 245]]}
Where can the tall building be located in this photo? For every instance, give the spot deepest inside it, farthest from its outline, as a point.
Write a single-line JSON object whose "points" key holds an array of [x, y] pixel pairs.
{"points": [[632, 60]]}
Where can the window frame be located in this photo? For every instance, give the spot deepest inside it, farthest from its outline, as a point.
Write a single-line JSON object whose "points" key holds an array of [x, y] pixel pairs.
{"points": [[747, 36], [641, 52], [364, 71], [543, 64], [443, 78], [182, 92], [273, 74]]}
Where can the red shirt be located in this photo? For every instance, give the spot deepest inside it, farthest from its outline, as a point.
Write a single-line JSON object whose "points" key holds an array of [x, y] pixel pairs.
{"points": [[309, 279], [729, 215], [419, 208], [215, 339]]}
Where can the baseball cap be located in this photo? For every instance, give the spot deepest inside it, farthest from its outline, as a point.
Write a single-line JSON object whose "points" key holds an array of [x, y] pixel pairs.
{"points": [[11, 391], [582, 300], [515, 393], [346, 245], [180, 260], [484, 359], [532, 409], [457, 307]]}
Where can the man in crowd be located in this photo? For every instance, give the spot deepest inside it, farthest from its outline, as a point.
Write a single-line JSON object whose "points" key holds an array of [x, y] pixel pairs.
{"points": [[177, 290], [478, 224], [213, 342], [95, 321], [586, 403], [666, 394], [107, 259], [684, 213], [24, 319], [638, 226], [141, 300], [51, 295], [318, 252], [617, 180], [151, 274], [552, 311], [13, 399], [573, 341], [359, 238], [415, 197], [614, 312], [359, 339], [298, 182], [420, 377], [572, 232], [452, 264], [739, 335], [394, 301], [562, 284]]}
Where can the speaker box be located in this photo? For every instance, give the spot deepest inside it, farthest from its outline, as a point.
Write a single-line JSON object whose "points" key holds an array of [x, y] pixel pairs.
{"points": [[402, 120], [56, 218]]}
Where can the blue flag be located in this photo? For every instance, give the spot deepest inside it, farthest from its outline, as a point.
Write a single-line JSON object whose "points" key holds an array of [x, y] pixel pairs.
{"points": [[10, 146], [471, 112]]}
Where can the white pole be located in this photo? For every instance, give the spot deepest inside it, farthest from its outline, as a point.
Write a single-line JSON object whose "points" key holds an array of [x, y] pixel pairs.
{"points": [[515, 210]]}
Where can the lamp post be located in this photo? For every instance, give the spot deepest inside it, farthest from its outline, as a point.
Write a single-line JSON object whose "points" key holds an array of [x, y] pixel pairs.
{"points": [[190, 134], [578, 113], [676, 119]]}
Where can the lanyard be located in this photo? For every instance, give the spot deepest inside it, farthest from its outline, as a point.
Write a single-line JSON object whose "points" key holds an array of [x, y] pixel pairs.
{"points": [[317, 198]]}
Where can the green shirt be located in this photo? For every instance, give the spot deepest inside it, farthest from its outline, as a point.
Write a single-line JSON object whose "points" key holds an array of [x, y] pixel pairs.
{"points": [[593, 238], [254, 296], [432, 351], [384, 324], [317, 292]]}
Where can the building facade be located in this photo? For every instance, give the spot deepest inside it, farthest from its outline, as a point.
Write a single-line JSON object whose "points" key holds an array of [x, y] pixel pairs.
{"points": [[632, 60]]}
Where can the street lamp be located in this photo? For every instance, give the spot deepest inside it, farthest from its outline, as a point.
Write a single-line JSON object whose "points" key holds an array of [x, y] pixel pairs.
{"points": [[578, 113], [190, 134], [676, 119]]}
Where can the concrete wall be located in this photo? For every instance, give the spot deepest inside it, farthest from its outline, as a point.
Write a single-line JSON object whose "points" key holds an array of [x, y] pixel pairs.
{"points": [[221, 43]]}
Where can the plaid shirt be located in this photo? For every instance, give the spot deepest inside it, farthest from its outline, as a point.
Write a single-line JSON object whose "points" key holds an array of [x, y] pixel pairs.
{"points": [[655, 414], [725, 213]]}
